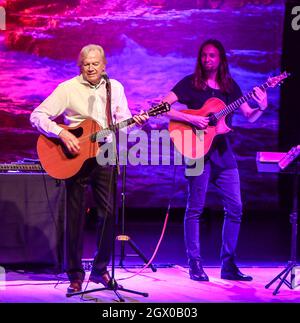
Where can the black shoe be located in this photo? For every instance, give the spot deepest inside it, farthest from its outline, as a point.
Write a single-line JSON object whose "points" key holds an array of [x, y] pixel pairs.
{"points": [[75, 286], [233, 273], [105, 280], [196, 271]]}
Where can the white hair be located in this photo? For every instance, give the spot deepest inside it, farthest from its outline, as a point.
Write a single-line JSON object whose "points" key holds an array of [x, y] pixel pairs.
{"points": [[86, 49]]}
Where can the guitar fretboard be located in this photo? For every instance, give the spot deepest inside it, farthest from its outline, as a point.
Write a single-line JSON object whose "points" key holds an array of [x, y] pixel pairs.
{"points": [[156, 110], [234, 105], [112, 128]]}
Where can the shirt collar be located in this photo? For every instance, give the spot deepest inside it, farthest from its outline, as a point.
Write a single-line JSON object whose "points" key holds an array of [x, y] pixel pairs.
{"points": [[83, 81]]}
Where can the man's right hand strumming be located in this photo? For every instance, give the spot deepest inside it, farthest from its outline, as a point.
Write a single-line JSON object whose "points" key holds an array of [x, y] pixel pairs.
{"points": [[199, 121], [70, 141]]}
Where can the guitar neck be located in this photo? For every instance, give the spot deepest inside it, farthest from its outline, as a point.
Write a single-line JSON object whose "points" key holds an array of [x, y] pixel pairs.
{"points": [[236, 104], [154, 111], [112, 128], [120, 125]]}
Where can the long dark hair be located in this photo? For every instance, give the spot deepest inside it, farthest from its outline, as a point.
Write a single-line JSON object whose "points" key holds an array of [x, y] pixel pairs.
{"points": [[223, 76]]}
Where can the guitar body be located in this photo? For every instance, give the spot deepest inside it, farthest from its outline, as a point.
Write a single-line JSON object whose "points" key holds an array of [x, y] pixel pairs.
{"points": [[193, 143], [54, 156], [59, 163], [184, 135]]}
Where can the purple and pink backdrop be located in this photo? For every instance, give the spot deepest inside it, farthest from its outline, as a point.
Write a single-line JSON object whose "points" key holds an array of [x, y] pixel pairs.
{"points": [[150, 45]]}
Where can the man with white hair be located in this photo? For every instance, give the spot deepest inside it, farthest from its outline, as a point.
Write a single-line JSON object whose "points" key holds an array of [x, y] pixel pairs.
{"points": [[85, 96]]}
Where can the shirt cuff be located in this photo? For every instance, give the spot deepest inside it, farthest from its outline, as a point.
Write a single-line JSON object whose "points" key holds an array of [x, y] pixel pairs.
{"points": [[57, 130]]}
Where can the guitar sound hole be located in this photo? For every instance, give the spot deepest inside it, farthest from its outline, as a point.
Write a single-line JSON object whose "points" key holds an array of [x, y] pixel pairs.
{"points": [[77, 132], [64, 149], [66, 152]]}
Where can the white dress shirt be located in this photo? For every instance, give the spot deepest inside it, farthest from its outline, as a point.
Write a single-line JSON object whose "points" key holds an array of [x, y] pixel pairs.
{"points": [[78, 100]]}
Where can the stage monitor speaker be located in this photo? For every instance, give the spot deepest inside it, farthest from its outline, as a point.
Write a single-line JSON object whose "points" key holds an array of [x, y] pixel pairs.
{"points": [[32, 213]]}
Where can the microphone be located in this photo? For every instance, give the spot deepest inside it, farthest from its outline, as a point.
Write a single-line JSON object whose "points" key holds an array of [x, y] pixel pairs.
{"points": [[105, 76]]}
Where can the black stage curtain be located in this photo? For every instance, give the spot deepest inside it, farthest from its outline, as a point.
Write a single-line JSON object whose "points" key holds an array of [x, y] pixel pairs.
{"points": [[289, 129]]}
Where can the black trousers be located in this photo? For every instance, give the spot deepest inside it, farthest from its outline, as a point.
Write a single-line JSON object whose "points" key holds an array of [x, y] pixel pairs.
{"points": [[103, 184]]}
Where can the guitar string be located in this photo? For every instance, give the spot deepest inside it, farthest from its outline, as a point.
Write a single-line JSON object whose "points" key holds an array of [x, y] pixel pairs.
{"points": [[87, 138], [151, 112], [234, 105]]}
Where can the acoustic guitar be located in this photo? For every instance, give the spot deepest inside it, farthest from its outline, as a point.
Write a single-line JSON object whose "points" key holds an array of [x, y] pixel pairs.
{"points": [[59, 163], [193, 143]]}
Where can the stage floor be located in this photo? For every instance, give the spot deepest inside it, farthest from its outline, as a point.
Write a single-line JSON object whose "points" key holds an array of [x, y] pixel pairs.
{"points": [[166, 285]]}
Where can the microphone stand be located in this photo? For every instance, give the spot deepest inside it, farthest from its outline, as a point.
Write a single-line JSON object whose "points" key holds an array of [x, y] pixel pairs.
{"points": [[123, 237], [112, 284], [291, 267]]}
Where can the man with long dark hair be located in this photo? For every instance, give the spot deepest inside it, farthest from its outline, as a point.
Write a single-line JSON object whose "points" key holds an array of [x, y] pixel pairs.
{"points": [[212, 79]]}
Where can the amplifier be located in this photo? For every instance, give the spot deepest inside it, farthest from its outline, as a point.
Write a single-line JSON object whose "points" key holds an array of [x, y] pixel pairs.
{"points": [[21, 167]]}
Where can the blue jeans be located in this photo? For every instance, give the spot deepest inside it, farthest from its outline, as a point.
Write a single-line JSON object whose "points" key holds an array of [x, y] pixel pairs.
{"points": [[228, 183]]}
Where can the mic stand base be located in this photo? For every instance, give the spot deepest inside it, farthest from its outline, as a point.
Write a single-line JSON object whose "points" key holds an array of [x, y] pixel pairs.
{"points": [[114, 287], [125, 238], [283, 277]]}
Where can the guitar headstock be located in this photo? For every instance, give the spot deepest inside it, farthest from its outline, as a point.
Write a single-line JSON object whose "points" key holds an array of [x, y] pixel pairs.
{"points": [[159, 109], [275, 80]]}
